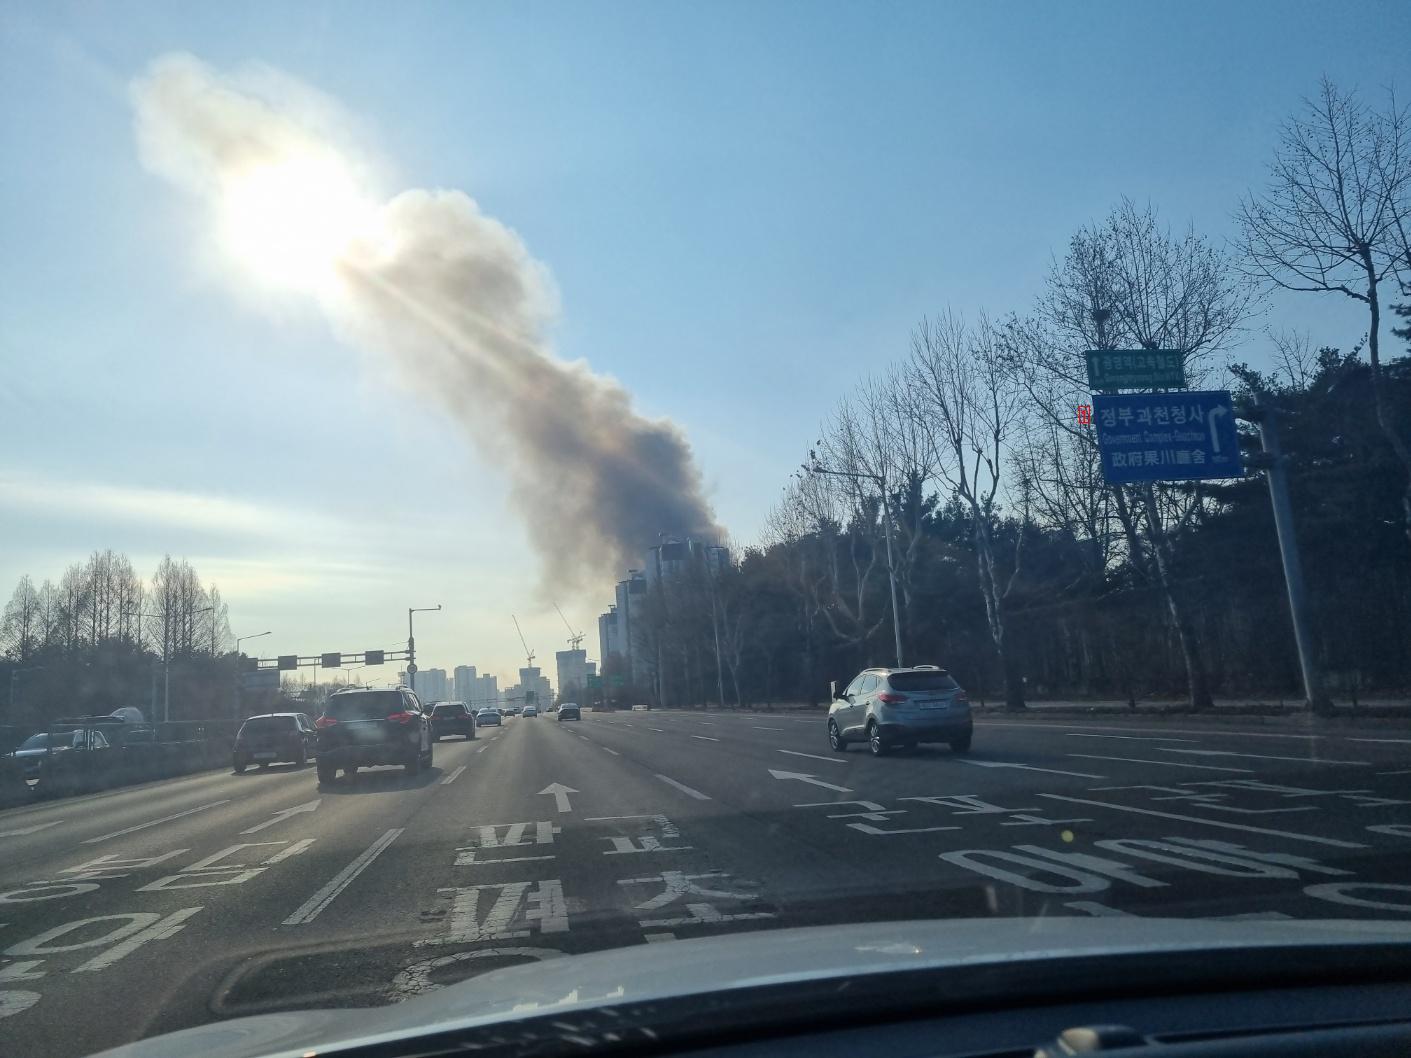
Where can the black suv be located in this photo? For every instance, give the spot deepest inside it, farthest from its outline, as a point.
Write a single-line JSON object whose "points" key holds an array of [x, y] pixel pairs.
{"points": [[361, 727], [263, 740], [452, 718]]}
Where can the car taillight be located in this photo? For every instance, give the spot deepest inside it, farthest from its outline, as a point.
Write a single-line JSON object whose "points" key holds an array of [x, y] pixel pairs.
{"points": [[325, 721], [402, 718], [890, 698], [961, 696]]}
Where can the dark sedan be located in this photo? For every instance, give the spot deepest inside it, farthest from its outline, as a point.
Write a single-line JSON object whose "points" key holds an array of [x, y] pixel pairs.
{"points": [[452, 718], [273, 738]]}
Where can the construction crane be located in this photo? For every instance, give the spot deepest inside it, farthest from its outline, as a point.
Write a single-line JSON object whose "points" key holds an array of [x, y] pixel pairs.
{"points": [[528, 654], [575, 639]]}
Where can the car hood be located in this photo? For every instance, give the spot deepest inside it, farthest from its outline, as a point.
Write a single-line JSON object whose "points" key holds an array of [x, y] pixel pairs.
{"points": [[739, 961]]}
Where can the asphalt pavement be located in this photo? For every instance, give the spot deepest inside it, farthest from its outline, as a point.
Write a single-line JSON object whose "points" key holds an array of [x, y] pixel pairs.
{"points": [[152, 908]]}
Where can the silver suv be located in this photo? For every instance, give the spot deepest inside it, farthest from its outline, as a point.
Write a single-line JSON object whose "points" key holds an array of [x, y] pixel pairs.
{"points": [[900, 707]]}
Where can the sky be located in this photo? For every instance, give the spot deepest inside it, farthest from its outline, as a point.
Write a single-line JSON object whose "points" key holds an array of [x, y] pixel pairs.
{"points": [[744, 207]]}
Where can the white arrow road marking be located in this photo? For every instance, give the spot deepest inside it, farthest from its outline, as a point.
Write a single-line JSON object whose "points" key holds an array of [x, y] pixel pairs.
{"points": [[1334, 842], [29, 830], [1026, 767], [310, 908], [560, 792], [285, 813], [811, 780], [155, 822], [814, 756]]}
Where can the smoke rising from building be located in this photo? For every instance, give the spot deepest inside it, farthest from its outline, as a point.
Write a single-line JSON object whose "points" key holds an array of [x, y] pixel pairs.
{"points": [[450, 294]]}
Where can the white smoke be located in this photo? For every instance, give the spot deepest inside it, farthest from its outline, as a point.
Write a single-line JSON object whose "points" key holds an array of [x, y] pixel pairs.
{"points": [[451, 295]]}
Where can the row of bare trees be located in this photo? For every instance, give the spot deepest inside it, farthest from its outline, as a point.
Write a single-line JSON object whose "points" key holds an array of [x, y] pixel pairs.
{"points": [[969, 462], [103, 600]]}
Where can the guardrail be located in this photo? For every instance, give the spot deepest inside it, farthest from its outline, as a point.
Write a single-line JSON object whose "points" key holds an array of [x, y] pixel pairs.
{"points": [[134, 755]]}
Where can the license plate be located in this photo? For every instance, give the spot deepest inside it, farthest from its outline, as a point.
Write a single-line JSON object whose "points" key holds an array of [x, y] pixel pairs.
{"points": [[935, 705], [264, 756]]}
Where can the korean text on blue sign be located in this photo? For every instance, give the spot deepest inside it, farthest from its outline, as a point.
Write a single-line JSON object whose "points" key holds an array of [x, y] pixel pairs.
{"points": [[1167, 436]]}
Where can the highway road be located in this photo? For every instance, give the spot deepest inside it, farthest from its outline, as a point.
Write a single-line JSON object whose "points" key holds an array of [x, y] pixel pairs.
{"points": [[157, 907]]}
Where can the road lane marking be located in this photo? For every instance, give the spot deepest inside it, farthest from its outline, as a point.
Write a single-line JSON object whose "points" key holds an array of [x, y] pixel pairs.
{"points": [[799, 776], [155, 822], [1404, 771], [453, 776], [29, 830], [705, 738], [314, 905], [769, 729], [1263, 756], [1026, 767], [1132, 738], [285, 813], [815, 756], [482, 749], [684, 788], [560, 793], [1168, 763], [612, 751], [658, 730], [1398, 741], [1334, 842]]}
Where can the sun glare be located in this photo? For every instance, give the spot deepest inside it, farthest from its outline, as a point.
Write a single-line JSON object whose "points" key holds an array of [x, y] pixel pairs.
{"points": [[289, 222]]}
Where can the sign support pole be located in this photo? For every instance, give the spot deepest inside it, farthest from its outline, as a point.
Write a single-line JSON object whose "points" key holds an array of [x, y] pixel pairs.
{"points": [[1275, 473]]}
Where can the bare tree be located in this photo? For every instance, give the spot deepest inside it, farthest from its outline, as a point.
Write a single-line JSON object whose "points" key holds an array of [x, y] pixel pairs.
{"points": [[971, 409], [1295, 357], [1334, 218], [1129, 280], [21, 631]]}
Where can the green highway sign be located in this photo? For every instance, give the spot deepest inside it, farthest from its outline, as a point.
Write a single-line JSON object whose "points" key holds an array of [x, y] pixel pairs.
{"points": [[1136, 369]]}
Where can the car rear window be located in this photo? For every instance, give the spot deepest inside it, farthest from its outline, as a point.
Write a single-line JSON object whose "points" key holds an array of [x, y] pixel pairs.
{"points": [[446, 710], [367, 705], [267, 724], [922, 681]]}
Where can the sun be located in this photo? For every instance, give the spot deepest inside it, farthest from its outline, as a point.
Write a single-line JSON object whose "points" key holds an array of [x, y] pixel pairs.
{"points": [[291, 222]]}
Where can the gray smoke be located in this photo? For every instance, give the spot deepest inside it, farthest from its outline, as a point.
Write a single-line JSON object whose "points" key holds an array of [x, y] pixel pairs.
{"points": [[454, 297]]}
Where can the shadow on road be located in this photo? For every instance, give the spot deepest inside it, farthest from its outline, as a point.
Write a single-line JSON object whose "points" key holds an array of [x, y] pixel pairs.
{"points": [[381, 780]]}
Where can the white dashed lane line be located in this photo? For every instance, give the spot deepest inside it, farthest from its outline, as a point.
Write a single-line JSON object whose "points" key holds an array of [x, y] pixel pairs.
{"points": [[155, 822], [705, 738], [813, 756], [612, 751], [1220, 823], [1167, 763], [684, 788], [453, 776]]}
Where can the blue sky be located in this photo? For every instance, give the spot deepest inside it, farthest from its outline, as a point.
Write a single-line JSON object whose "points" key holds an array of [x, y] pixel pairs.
{"points": [[745, 207]]}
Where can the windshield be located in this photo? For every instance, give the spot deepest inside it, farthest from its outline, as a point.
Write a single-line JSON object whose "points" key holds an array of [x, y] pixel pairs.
{"points": [[922, 681], [914, 462], [48, 741], [268, 725], [368, 705]]}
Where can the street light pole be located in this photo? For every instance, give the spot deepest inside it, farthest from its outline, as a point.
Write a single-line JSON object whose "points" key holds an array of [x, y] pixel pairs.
{"points": [[411, 642], [881, 483], [240, 677]]}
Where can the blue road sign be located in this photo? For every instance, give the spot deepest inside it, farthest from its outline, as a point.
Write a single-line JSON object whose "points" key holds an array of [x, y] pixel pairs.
{"points": [[1175, 436]]}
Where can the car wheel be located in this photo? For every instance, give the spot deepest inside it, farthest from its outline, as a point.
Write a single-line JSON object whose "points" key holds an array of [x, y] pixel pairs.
{"points": [[326, 773], [835, 738], [350, 770], [240, 765], [426, 761], [960, 745], [413, 764], [878, 747]]}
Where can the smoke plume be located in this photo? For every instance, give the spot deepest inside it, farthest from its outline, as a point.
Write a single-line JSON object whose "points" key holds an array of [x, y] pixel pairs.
{"points": [[455, 299]]}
